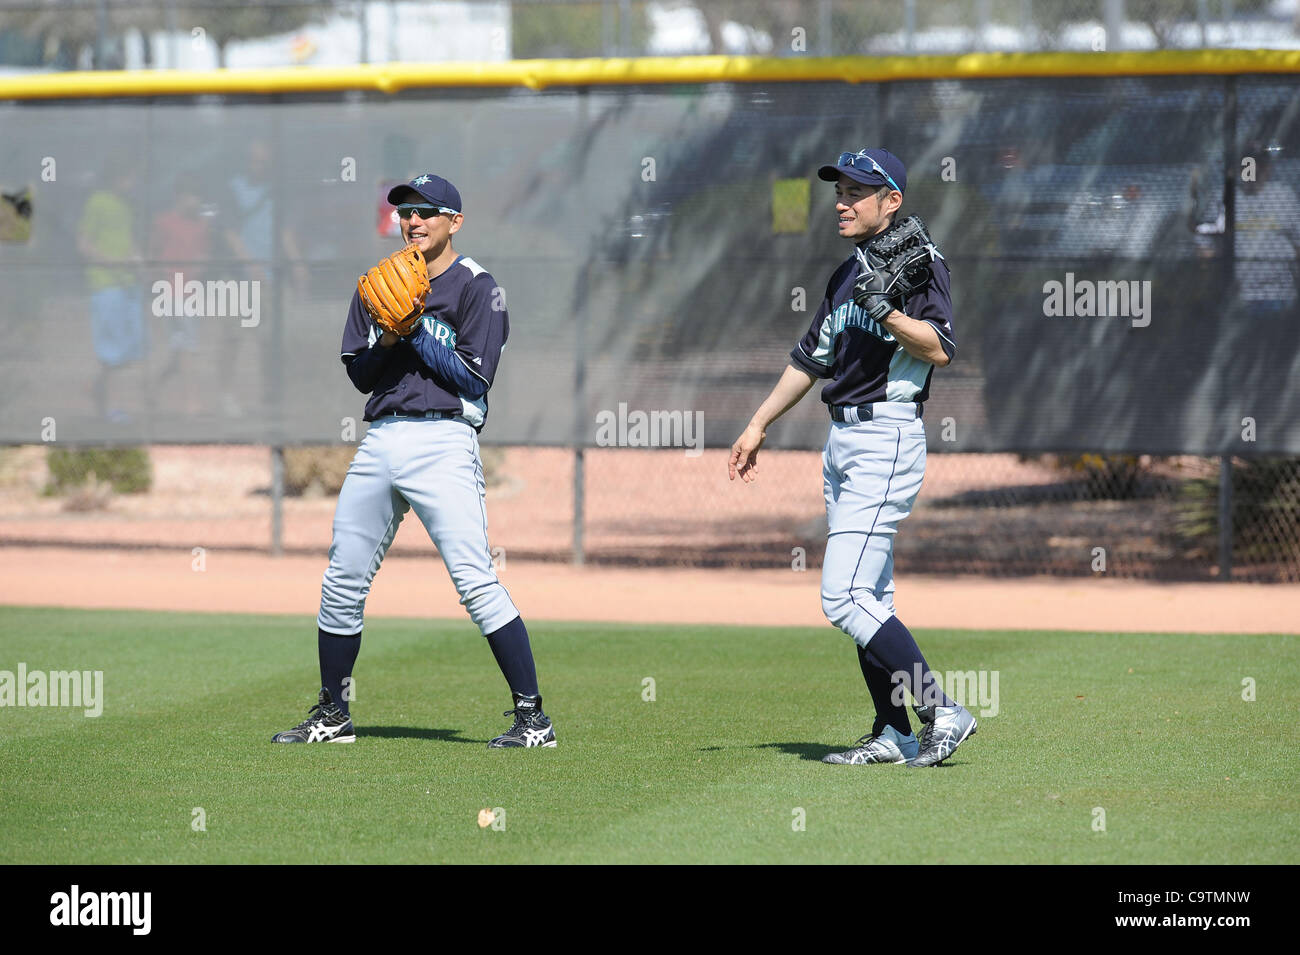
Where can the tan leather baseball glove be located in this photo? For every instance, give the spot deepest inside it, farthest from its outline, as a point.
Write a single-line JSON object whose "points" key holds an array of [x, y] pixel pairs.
{"points": [[393, 292]]}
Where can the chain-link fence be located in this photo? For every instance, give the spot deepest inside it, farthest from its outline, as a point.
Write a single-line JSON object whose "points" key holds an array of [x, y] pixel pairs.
{"points": [[663, 247], [203, 34], [1159, 518], [1123, 252]]}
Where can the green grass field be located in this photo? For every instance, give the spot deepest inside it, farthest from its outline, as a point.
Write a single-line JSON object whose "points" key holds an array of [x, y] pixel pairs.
{"points": [[1151, 729]]}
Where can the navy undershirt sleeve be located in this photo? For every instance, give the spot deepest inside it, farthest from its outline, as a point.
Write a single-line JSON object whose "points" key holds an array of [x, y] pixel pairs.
{"points": [[444, 363], [365, 367]]}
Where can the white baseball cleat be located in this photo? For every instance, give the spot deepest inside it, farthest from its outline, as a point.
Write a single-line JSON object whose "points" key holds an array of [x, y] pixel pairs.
{"points": [[887, 746], [943, 730]]}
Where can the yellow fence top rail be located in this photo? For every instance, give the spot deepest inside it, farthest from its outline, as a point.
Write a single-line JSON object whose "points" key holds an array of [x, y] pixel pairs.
{"points": [[540, 74]]}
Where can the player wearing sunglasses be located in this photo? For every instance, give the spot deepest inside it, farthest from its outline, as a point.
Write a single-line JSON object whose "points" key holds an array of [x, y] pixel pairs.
{"points": [[427, 403]]}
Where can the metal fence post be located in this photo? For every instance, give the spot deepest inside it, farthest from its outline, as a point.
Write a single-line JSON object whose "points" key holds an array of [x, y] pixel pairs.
{"points": [[1113, 17], [579, 416], [101, 35], [825, 37], [277, 500], [983, 16], [364, 31], [1225, 518], [582, 296], [173, 37], [273, 383], [1231, 169], [579, 506]]}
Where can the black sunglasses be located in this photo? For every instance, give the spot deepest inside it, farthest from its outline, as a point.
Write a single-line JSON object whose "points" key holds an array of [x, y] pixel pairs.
{"points": [[424, 211]]}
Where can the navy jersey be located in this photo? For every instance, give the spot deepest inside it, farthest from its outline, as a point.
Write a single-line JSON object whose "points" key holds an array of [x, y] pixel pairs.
{"points": [[465, 327], [865, 362]]}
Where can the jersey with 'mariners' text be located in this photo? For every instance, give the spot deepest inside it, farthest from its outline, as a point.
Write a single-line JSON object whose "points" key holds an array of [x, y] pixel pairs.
{"points": [[864, 361], [463, 312]]}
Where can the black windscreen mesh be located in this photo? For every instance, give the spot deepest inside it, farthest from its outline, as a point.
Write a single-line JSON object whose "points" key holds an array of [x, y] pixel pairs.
{"points": [[662, 248]]}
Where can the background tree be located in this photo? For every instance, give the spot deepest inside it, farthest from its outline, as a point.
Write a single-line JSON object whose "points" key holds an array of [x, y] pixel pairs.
{"points": [[65, 34]]}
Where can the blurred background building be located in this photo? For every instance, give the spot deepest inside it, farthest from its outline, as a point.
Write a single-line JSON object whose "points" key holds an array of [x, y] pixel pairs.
{"points": [[53, 35]]}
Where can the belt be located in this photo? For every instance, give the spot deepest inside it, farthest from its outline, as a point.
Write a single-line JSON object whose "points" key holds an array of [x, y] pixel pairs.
{"points": [[841, 413], [435, 415]]}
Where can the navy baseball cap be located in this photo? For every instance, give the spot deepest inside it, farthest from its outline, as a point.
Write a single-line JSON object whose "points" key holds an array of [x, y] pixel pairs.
{"points": [[433, 189], [871, 167]]}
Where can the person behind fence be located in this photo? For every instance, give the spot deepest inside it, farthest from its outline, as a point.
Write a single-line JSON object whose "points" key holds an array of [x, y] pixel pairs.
{"points": [[181, 243], [884, 325], [107, 241], [260, 235]]}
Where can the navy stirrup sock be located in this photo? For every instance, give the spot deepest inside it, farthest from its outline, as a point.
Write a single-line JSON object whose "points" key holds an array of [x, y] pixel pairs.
{"points": [[894, 646], [889, 711], [338, 653], [515, 657]]}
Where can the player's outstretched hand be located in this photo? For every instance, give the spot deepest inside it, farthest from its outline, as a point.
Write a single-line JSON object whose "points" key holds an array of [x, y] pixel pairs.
{"points": [[744, 455]]}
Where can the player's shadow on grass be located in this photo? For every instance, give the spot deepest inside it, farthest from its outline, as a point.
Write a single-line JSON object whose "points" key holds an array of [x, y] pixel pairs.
{"points": [[812, 752], [416, 732], [808, 751]]}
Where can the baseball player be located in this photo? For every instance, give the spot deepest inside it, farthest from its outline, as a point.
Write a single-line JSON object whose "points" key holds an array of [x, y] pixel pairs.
{"points": [[878, 349], [428, 401]]}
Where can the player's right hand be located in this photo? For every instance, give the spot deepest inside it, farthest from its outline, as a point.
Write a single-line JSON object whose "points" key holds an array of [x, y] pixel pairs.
{"points": [[744, 455]]}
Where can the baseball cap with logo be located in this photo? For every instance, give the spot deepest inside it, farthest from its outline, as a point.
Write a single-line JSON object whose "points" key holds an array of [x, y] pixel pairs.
{"points": [[433, 189], [871, 167]]}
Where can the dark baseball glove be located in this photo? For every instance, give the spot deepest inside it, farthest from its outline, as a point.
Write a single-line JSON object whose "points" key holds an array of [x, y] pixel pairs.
{"points": [[393, 292], [895, 265]]}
